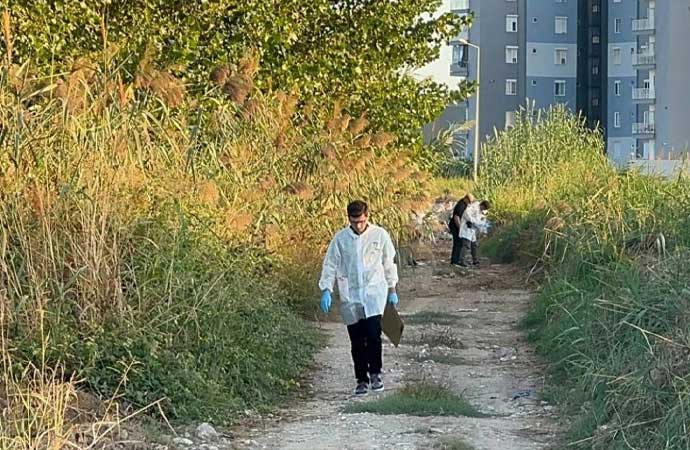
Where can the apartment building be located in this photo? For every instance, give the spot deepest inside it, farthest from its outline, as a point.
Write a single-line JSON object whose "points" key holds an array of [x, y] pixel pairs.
{"points": [[650, 87], [623, 64], [529, 50]]}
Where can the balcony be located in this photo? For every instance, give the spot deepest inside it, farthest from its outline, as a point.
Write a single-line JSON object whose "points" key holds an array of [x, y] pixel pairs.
{"points": [[459, 5], [644, 59], [640, 129], [643, 25], [463, 36], [642, 95], [459, 69]]}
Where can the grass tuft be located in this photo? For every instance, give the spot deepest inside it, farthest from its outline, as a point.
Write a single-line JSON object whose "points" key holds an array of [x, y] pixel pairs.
{"points": [[418, 399], [453, 443], [438, 337]]}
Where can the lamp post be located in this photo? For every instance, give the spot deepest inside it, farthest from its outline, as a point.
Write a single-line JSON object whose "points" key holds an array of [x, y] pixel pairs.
{"points": [[475, 152]]}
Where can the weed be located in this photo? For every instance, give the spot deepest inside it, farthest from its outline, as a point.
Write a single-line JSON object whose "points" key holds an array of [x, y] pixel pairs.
{"points": [[438, 337], [453, 443], [418, 399]]}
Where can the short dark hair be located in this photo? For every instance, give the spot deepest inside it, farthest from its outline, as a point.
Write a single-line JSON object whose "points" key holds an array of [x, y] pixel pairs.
{"points": [[357, 208], [485, 204]]}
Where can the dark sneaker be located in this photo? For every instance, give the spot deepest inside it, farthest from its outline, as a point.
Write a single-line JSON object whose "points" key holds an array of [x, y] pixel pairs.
{"points": [[475, 263], [362, 388], [376, 383]]}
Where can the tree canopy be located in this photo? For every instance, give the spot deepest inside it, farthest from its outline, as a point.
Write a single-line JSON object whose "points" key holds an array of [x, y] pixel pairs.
{"points": [[354, 50]]}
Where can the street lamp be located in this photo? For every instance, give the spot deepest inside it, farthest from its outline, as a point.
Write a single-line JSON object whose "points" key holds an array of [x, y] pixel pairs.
{"points": [[476, 113]]}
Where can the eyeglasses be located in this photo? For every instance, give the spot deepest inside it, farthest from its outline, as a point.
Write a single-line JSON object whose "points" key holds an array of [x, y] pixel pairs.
{"points": [[357, 221]]}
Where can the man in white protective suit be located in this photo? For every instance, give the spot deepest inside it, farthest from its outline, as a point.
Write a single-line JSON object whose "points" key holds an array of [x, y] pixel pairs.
{"points": [[361, 259]]}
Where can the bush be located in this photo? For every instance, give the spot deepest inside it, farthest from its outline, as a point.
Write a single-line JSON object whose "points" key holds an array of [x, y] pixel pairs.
{"points": [[612, 313]]}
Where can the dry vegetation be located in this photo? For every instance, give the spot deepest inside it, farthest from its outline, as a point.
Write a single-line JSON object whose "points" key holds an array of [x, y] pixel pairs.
{"points": [[159, 240]]}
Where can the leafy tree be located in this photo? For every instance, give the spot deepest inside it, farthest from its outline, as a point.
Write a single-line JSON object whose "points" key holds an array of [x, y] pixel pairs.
{"points": [[355, 50]]}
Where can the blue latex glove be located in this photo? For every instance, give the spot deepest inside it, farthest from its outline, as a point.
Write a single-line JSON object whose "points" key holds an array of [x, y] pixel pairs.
{"points": [[325, 301], [393, 298]]}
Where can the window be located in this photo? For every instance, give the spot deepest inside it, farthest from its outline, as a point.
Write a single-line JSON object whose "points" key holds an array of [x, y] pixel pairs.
{"points": [[559, 88], [561, 25], [510, 119], [595, 70], [511, 24], [460, 54], [535, 20], [616, 119], [459, 4], [617, 88], [595, 9], [595, 39], [511, 54], [561, 56], [595, 101], [534, 82], [617, 25], [616, 55], [511, 87], [616, 1]]}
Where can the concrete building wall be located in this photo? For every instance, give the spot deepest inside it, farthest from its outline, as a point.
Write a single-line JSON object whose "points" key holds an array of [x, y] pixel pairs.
{"points": [[541, 23], [542, 92], [543, 69], [541, 60], [621, 104], [621, 79], [672, 76], [495, 71]]}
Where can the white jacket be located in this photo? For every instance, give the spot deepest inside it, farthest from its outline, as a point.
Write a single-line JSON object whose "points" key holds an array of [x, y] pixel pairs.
{"points": [[474, 214], [364, 268]]}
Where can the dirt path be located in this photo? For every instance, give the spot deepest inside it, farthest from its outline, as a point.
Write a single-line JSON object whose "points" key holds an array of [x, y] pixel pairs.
{"points": [[490, 364]]}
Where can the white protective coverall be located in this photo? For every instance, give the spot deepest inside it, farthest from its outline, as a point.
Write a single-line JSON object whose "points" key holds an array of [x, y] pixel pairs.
{"points": [[364, 269], [474, 214]]}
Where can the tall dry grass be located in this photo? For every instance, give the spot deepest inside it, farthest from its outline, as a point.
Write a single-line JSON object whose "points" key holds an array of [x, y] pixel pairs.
{"points": [[167, 233]]}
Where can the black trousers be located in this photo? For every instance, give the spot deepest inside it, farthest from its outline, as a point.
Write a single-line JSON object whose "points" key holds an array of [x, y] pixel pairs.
{"points": [[457, 244], [365, 337], [472, 246]]}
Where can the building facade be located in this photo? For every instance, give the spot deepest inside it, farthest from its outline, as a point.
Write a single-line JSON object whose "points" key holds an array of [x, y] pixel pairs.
{"points": [[622, 64], [622, 55]]}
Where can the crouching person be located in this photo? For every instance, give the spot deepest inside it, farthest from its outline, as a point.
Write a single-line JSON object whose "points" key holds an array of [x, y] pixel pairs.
{"points": [[474, 222], [361, 259]]}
